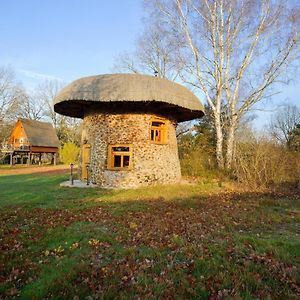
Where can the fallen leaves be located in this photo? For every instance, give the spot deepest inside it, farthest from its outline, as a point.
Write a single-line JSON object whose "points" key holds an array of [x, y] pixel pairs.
{"points": [[98, 244], [167, 250], [133, 225]]}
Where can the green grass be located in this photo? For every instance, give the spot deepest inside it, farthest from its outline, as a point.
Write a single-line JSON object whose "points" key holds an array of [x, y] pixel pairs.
{"points": [[178, 241]]}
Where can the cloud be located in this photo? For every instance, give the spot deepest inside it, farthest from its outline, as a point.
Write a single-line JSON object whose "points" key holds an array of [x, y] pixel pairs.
{"points": [[38, 76]]}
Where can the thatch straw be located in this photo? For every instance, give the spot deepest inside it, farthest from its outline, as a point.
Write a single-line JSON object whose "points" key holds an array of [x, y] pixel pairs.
{"points": [[128, 92], [40, 134]]}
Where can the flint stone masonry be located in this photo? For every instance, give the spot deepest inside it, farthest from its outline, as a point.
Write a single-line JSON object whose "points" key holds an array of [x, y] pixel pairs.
{"points": [[151, 163], [117, 109]]}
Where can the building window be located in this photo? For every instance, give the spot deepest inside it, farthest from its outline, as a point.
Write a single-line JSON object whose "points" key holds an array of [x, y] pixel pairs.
{"points": [[158, 131], [119, 157]]}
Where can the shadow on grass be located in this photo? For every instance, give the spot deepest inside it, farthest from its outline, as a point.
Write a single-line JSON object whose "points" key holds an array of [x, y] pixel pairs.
{"points": [[37, 190], [186, 241]]}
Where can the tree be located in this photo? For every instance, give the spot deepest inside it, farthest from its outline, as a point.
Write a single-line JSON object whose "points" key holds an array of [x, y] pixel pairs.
{"points": [[16, 102], [232, 52], [46, 92], [284, 122], [155, 54], [31, 107], [69, 153], [67, 129], [10, 93], [294, 138]]}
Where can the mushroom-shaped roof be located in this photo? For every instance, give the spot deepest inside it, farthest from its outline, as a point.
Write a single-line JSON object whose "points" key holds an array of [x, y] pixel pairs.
{"points": [[125, 93]]}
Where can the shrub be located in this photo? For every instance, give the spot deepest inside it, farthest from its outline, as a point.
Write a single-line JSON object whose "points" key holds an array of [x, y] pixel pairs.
{"points": [[197, 163], [69, 153], [197, 157], [263, 163]]}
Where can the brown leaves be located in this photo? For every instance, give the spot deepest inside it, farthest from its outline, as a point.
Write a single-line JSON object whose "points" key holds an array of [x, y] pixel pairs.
{"points": [[12, 292], [97, 244], [165, 249]]}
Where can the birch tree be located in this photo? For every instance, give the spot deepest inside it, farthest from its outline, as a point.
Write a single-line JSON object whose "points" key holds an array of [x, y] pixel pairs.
{"points": [[233, 53]]}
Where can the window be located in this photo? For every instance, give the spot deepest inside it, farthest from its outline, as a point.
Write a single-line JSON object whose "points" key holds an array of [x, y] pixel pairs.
{"points": [[158, 131], [119, 157]]}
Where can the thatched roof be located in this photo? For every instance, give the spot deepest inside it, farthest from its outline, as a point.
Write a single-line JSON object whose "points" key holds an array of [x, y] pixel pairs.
{"points": [[121, 93], [40, 134]]}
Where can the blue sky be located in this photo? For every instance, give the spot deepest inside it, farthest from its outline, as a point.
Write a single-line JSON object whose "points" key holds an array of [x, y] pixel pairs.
{"points": [[69, 39], [66, 39]]}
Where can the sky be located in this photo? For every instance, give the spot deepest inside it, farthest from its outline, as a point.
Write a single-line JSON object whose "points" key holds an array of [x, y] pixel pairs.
{"points": [[69, 39], [66, 39]]}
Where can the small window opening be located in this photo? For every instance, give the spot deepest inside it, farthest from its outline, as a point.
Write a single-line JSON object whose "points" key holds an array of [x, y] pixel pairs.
{"points": [[119, 157], [117, 161], [158, 132]]}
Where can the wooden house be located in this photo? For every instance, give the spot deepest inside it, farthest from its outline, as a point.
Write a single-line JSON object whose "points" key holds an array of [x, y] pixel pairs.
{"points": [[129, 127], [30, 139]]}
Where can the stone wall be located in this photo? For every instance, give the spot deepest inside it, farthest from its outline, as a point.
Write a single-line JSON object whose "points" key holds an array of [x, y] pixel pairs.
{"points": [[151, 163]]}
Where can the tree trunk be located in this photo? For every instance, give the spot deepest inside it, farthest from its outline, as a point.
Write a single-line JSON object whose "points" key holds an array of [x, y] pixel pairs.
{"points": [[230, 142], [219, 143]]}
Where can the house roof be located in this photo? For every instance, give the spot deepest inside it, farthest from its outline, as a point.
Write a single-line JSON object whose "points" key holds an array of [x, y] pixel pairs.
{"points": [[39, 133], [120, 93]]}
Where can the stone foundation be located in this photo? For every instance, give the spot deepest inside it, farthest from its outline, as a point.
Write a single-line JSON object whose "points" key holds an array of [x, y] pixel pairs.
{"points": [[151, 162]]}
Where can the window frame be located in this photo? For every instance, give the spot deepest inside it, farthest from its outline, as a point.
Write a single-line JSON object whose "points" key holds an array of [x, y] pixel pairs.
{"points": [[111, 155], [162, 129]]}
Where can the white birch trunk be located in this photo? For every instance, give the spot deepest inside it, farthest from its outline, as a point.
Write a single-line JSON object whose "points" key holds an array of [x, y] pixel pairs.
{"points": [[219, 142], [230, 143]]}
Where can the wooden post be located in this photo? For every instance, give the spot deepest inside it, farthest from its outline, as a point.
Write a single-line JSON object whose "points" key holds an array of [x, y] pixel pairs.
{"points": [[54, 159], [29, 159], [40, 159], [11, 159]]}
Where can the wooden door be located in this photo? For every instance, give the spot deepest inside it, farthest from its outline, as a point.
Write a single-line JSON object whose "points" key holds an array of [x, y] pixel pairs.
{"points": [[86, 156]]}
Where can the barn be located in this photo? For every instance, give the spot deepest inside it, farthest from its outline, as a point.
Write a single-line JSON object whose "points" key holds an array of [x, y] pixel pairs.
{"points": [[129, 127]]}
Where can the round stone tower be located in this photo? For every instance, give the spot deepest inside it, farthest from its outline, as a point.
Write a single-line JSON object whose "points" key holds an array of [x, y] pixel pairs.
{"points": [[129, 127]]}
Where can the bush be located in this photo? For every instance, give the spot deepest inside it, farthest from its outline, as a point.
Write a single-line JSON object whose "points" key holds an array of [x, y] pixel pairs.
{"points": [[69, 153], [198, 164], [263, 163], [197, 157]]}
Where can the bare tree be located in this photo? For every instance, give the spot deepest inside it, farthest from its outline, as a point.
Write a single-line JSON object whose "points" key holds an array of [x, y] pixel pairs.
{"points": [[232, 52], [155, 53], [67, 129], [283, 122], [31, 107], [16, 102], [46, 92], [10, 92]]}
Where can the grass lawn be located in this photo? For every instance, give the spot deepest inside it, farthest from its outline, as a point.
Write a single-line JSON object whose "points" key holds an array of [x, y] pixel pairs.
{"points": [[184, 242]]}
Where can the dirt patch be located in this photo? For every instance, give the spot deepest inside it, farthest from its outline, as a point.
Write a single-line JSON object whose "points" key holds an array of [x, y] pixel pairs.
{"points": [[44, 170]]}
